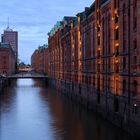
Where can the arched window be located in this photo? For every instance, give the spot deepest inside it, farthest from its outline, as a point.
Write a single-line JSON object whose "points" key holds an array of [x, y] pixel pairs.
{"points": [[135, 88]]}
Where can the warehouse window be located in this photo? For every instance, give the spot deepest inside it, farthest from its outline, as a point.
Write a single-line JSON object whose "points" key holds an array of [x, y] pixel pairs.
{"points": [[117, 33], [135, 44], [109, 34], [135, 15], [124, 63], [98, 40], [116, 18], [115, 4], [117, 67], [108, 84], [124, 28], [124, 87], [135, 3], [135, 88]]}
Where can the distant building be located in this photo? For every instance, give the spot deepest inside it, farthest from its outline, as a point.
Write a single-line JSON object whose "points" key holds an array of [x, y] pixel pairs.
{"points": [[7, 59], [39, 59], [24, 68], [11, 37]]}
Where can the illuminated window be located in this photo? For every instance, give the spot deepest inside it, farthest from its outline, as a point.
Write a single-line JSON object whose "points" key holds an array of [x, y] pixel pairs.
{"points": [[116, 33]]}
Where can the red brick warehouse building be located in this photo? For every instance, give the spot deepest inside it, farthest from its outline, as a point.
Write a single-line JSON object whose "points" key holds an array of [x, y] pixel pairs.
{"points": [[39, 59], [7, 59], [95, 56]]}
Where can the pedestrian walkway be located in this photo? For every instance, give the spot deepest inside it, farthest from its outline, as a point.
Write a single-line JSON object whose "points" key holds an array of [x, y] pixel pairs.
{"points": [[27, 75]]}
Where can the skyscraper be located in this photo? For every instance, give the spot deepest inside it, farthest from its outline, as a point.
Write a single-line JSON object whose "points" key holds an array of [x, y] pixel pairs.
{"points": [[11, 37]]}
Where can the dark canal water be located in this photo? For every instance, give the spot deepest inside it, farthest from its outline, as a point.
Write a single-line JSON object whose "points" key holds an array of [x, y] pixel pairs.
{"points": [[31, 111]]}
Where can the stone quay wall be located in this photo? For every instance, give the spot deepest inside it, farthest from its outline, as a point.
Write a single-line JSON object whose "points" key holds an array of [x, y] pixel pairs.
{"points": [[115, 109]]}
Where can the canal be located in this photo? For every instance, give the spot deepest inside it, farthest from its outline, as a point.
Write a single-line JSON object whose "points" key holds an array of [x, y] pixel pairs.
{"points": [[29, 110]]}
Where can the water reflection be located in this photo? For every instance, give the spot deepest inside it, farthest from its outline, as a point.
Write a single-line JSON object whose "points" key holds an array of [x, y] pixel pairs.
{"points": [[31, 111]]}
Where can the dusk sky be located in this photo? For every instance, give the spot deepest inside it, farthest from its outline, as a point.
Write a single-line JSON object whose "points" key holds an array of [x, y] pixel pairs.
{"points": [[33, 19]]}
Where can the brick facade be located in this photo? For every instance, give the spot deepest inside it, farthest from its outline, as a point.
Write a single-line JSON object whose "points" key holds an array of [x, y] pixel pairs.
{"points": [[95, 55], [39, 60], [7, 59]]}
